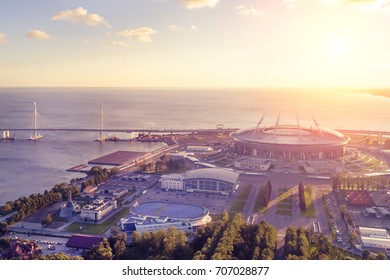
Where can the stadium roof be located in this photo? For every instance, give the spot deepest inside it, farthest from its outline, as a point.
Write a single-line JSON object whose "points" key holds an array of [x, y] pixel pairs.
{"points": [[213, 174], [290, 135], [171, 210]]}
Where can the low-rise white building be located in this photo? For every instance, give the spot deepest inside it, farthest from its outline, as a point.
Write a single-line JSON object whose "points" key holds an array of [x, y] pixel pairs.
{"points": [[321, 167], [143, 224], [199, 149], [172, 182], [376, 242], [373, 232], [252, 163], [375, 237], [108, 194], [97, 210]]}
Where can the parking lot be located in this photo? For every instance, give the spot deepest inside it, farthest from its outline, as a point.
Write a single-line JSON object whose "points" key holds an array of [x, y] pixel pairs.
{"points": [[216, 203], [48, 244], [134, 182]]}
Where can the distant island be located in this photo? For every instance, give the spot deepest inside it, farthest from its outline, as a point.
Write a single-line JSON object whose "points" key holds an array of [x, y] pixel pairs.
{"points": [[379, 92]]}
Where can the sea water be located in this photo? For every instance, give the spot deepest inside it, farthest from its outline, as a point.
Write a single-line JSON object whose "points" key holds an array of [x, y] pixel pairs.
{"points": [[34, 166]]}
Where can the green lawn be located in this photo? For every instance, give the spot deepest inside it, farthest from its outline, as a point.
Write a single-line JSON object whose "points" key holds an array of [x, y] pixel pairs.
{"points": [[284, 212], [287, 200], [98, 228], [284, 205], [287, 206], [239, 203], [245, 192], [259, 207], [309, 212]]}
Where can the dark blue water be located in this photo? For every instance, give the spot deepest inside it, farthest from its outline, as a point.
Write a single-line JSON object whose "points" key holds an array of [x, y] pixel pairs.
{"points": [[27, 167]]}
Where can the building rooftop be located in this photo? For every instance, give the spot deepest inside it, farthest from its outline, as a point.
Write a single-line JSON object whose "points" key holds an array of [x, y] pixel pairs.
{"points": [[290, 135], [172, 177], [171, 210], [81, 241], [213, 174], [98, 205]]}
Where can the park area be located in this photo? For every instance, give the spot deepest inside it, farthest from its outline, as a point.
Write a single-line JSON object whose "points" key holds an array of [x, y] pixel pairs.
{"points": [[98, 228], [240, 201], [284, 204], [309, 212]]}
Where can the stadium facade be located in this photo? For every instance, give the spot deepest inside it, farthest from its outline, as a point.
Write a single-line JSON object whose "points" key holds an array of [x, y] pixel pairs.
{"points": [[313, 149], [152, 216], [207, 180]]}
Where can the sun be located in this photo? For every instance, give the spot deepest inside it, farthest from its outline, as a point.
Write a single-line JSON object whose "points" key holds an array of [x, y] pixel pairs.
{"points": [[337, 47]]}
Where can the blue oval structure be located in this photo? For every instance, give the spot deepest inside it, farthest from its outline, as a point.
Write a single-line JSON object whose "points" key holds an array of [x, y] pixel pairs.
{"points": [[172, 210]]}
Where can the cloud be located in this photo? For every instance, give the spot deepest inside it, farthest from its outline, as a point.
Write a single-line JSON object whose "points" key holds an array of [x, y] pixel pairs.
{"points": [[3, 38], [195, 4], [38, 34], [116, 43], [81, 15], [142, 34], [291, 3], [193, 27], [378, 5], [243, 10], [369, 5], [175, 28]]}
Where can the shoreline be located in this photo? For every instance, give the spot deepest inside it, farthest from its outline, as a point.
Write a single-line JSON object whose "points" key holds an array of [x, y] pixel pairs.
{"points": [[376, 92]]}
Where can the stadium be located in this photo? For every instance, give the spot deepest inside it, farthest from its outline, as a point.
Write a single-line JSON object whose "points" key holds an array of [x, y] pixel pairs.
{"points": [[151, 216], [264, 147], [183, 212]]}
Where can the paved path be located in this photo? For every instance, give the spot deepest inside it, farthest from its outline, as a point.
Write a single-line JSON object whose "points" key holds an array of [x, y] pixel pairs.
{"points": [[251, 201]]}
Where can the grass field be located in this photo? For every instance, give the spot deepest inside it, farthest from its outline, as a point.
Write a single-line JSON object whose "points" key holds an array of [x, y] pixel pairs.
{"points": [[259, 207], [309, 212], [284, 212], [98, 228], [239, 203], [287, 200], [284, 205]]}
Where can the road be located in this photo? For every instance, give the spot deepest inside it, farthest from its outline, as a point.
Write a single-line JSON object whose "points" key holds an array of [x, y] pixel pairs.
{"points": [[289, 181], [250, 203]]}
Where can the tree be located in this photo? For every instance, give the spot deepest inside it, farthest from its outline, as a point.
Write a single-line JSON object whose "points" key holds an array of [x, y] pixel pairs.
{"points": [[381, 256], [175, 245], [47, 220], [352, 237], [114, 171], [387, 144], [290, 241], [4, 244], [366, 255], [267, 193], [136, 237], [101, 251], [267, 254], [118, 244], [302, 201], [336, 182], [59, 256], [343, 210], [3, 228], [6, 209]]}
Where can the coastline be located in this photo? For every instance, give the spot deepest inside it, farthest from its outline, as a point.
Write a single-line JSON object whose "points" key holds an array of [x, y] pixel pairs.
{"points": [[377, 92]]}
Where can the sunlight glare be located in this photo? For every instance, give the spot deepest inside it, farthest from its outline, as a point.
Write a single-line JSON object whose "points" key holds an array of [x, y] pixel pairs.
{"points": [[337, 47]]}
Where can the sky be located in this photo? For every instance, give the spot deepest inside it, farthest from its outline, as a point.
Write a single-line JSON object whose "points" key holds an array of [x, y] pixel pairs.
{"points": [[195, 43]]}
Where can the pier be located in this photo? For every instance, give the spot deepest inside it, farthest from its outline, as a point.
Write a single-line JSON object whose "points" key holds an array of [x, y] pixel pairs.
{"points": [[181, 130], [220, 128]]}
